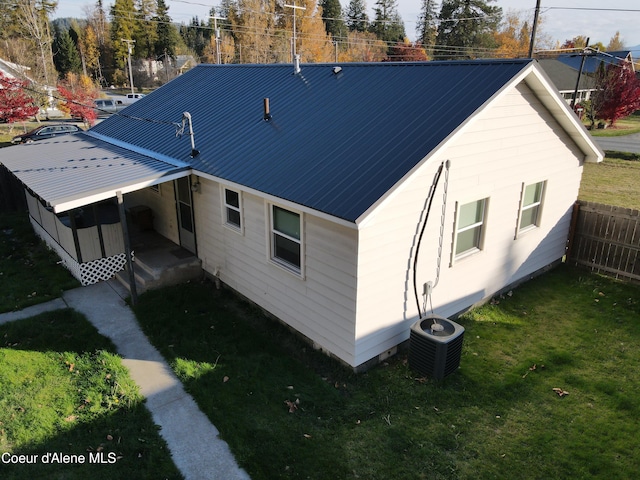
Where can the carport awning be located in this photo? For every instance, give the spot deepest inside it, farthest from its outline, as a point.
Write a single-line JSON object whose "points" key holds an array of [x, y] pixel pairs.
{"points": [[75, 170]]}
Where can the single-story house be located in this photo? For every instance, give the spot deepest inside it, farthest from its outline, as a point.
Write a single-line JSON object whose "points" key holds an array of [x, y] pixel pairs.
{"points": [[305, 190], [565, 78]]}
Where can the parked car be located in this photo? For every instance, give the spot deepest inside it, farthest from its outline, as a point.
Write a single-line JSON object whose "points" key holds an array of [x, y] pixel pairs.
{"points": [[134, 96], [45, 131], [105, 107]]}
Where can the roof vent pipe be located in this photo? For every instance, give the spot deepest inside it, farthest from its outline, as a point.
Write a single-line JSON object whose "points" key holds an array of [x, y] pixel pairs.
{"points": [[267, 113], [296, 64], [186, 117]]}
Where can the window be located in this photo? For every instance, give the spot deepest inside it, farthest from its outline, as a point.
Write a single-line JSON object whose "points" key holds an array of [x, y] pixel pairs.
{"points": [[233, 215], [286, 245], [471, 217], [531, 206]]}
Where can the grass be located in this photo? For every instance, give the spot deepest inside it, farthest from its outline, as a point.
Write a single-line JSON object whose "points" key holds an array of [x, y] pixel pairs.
{"points": [[290, 412], [615, 181], [29, 271], [624, 126], [8, 131], [64, 391]]}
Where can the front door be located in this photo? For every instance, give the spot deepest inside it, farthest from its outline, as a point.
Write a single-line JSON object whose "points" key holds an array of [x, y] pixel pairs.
{"points": [[185, 214]]}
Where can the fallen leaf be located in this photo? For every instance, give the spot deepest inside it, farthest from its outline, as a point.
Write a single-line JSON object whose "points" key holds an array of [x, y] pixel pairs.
{"points": [[560, 392], [225, 379], [71, 366], [70, 418], [292, 405], [306, 435], [109, 437]]}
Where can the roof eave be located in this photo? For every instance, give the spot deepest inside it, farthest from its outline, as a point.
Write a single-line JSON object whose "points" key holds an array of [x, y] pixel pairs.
{"points": [[538, 81]]}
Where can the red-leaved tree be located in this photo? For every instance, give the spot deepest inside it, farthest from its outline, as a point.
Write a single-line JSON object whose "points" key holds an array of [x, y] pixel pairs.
{"points": [[407, 52], [79, 92], [618, 93], [16, 105]]}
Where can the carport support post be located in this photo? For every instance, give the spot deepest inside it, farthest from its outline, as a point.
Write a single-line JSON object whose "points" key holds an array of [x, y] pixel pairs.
{"points": [[127, 248]]}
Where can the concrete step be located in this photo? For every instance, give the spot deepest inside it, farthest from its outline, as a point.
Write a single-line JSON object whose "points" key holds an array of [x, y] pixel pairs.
{"points": [[159, 269]]}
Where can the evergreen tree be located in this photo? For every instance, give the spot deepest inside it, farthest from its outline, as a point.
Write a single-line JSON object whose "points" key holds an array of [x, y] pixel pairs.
{"points": [[357, 18], [167, 35], [123, 22], [426, 27], [196, 35], [332, 18], [467, 27], [65, 54], [145, 32], [387, 24]]}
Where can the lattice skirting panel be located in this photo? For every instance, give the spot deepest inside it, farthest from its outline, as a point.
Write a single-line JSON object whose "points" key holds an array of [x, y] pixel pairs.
{"points": [[101, 269], [86, 273]]}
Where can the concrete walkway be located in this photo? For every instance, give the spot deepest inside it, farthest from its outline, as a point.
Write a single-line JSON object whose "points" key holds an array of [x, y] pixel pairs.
{"points": [[193, 441]]}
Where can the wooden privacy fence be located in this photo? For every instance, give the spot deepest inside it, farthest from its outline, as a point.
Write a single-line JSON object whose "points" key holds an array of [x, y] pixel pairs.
{"points": [[606, 239]]}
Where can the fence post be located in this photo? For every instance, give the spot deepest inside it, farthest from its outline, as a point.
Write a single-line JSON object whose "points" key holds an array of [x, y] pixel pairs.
{"points": [[572, 228]]}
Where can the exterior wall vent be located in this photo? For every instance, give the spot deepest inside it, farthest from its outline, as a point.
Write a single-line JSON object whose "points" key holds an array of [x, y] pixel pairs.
{"points": [[435, 346]]}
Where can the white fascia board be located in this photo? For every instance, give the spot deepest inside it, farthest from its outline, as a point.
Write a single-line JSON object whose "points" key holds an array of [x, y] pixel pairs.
{"points": [[69, 204], [278, 200], [542, 86]]}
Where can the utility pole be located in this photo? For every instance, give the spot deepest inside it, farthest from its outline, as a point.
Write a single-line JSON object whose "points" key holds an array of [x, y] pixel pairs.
{"points": [[130, 49], [575, 92], [293, 48], [217, 33], [535, 27]]}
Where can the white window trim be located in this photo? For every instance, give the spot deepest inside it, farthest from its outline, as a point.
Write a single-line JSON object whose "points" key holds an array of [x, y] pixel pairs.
{"points": [[522, 208], [239, 209], [456, 258], [283, 264]]}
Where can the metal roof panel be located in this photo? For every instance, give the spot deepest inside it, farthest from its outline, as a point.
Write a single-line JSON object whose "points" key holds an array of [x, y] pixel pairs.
{"points": [[335, 143]]}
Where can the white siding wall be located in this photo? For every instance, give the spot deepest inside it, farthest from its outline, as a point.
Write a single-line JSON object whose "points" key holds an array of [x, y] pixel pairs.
{"points": [[515, 140], [321, 305], [163, 206]]}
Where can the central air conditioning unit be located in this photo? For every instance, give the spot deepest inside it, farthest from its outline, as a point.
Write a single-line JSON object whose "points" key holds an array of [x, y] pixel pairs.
{"points": [[435, 346]]}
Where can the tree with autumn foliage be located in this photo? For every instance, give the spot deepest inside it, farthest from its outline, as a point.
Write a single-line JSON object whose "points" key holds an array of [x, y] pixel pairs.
{"points": [[618, 93], [79, 92], [16, 105], [407, 51]]}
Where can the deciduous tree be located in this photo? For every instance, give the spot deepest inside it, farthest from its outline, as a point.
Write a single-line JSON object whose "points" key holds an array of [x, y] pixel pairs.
{"points": [[513, 37], [407, 51], [78, 92], [618, 93], [16, 104]]}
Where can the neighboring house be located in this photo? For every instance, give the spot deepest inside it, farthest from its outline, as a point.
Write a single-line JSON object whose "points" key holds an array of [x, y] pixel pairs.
{"points": [[565, 78], [593, 61], [311, 207], [13, 70]]}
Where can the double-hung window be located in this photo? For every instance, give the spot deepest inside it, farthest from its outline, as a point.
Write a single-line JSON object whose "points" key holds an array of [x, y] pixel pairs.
{"points": [[286, 238], [232, 209], [469, 227], [531, 206]]}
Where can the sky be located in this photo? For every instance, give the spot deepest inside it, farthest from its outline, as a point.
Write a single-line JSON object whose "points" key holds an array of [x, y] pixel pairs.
{"points": [[561, 19]]}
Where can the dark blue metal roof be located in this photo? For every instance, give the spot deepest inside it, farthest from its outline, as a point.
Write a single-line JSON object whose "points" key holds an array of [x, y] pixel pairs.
{"points": [[335, 143], [593, 62]]}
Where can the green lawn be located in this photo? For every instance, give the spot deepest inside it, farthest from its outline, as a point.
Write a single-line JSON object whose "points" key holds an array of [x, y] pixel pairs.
{"points": [[63, 391], [290, 412], [615, 181], [624, 126], [29, 271]]}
